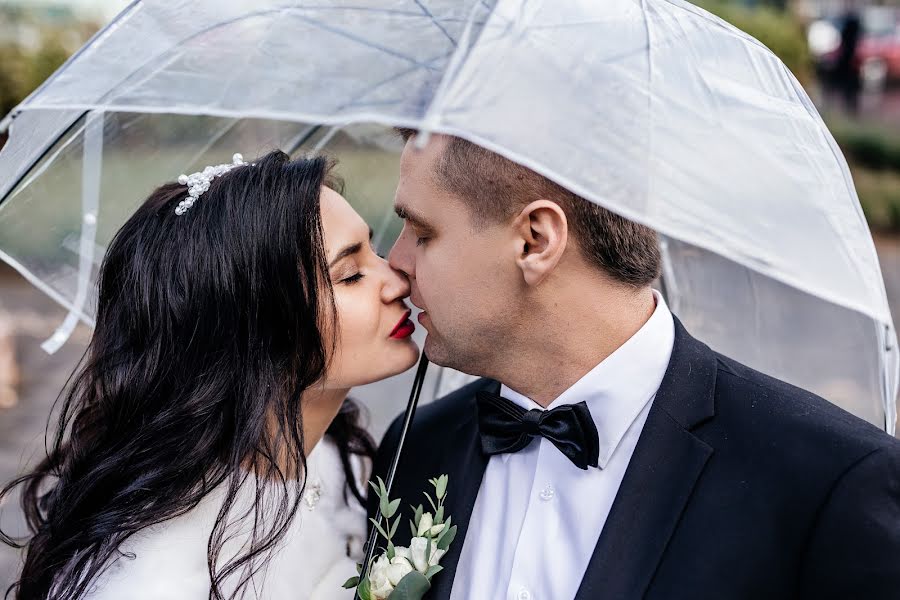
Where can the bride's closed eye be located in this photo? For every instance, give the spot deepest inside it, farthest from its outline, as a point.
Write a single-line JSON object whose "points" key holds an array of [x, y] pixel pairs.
{"points": [[353, 278]]}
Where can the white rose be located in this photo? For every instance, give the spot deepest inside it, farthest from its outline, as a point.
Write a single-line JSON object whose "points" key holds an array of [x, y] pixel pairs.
{"points": [[417, 549], [427, 526], [380, 584], [399, 568]]}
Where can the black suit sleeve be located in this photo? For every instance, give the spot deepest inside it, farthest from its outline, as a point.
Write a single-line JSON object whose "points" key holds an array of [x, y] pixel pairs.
{"points": [[383, 461], [854, 549]]}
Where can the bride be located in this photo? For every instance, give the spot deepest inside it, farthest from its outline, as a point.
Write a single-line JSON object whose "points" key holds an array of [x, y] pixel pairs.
{"points": [[206, 447]]}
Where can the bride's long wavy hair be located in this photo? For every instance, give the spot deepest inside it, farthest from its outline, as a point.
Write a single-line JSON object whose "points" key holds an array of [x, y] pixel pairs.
{"points": [[209, 329]]}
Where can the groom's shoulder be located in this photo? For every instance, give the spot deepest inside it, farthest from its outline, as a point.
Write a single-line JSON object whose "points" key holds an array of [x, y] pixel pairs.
{"points": [[784, 415]]}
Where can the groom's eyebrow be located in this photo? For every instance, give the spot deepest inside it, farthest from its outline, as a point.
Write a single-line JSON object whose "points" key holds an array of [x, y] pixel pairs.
{"points": [[407, 215]]}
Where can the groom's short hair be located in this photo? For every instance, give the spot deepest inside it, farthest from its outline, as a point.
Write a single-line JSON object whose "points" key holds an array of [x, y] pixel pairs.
{"points": [[495, 188]]}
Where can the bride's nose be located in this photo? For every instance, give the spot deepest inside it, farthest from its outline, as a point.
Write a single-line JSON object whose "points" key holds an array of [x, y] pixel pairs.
{"points": [[395, 286]]}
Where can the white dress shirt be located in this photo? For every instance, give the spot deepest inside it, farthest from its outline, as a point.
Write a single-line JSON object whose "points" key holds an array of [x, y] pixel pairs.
{"points": [[537, 517]]}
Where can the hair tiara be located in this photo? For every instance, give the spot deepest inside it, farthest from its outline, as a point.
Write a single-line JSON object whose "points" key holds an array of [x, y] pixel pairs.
{"points": [[199, 182]]}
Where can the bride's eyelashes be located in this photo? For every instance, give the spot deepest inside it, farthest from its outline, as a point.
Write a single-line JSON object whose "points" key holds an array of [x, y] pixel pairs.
{"points": [[353, 278]]}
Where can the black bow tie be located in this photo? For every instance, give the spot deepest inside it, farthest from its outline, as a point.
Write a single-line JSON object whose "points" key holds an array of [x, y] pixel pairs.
{"points": [[507, 427]]}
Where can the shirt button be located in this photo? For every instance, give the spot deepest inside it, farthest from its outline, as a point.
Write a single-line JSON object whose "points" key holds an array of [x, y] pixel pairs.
{"points": [[524, 594], [548, 493]]}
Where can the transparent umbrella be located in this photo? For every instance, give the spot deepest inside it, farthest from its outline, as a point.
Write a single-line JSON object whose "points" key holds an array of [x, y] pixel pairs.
{"points": [[652, 108]]}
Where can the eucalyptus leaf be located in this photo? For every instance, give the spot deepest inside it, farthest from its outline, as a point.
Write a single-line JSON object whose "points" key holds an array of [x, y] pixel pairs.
{"points": [[365, 590], [391, 551], [413, 529], [412, 587], [439, 516], [380, 529], [392, 508], [376, 489], [394, 527], [432, 571], [446, 540], [444, 531], [441, 487], [418, 518], [351, 583]]}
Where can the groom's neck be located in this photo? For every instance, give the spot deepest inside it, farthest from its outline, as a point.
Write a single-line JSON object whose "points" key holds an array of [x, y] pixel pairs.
{"points": [[569, 335]]}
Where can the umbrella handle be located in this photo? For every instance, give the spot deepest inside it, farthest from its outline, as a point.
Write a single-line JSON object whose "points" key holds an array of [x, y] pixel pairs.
{"points": [[407, 421]]}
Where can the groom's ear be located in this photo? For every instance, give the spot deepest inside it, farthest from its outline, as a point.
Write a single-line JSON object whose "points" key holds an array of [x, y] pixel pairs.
{"points": [[541, 235]]}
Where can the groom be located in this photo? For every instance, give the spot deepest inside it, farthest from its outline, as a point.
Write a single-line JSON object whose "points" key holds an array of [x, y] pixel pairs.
{"points": [[607, 453]]}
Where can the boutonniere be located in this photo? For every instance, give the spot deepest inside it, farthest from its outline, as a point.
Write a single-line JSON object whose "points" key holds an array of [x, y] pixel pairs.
{"points": [[401, 573]]}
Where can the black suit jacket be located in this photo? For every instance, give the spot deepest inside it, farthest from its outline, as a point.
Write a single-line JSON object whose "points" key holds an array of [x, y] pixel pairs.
{"points": [[741, 486]]}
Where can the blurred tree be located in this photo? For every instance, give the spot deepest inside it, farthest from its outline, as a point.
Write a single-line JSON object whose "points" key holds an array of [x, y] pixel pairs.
{"points": [[12, 77], [42, 64]]}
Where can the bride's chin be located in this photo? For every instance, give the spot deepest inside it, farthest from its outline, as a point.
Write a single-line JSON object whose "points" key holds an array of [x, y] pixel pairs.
{"points": [[402, 360]]}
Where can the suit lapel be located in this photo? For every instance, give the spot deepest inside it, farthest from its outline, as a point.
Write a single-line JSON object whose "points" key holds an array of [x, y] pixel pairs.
{"points": [[466, 466], [664, 468]]}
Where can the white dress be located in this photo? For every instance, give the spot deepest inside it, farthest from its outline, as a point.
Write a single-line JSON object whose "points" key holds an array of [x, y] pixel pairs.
{"points": [[317, 555]]}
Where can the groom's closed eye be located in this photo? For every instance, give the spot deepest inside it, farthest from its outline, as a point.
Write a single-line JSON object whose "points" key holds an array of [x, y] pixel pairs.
{"points": [[422, 229]]}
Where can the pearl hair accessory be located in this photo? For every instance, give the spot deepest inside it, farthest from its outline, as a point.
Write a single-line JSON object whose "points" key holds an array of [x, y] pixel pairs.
{"points": [[199, 182]]}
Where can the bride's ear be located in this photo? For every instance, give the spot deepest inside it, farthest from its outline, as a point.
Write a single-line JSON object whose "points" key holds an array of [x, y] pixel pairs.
{"points": [[542, 233]]}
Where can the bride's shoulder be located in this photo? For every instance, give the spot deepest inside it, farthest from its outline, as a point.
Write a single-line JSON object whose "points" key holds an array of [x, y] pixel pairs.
{"points": [[166, 561]]}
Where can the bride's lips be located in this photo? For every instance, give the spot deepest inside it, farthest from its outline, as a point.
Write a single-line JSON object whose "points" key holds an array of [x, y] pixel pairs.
{"points": [[404, 327]]}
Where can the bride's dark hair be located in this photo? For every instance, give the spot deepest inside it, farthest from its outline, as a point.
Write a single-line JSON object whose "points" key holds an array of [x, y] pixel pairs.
{"points": [[208, 331]]}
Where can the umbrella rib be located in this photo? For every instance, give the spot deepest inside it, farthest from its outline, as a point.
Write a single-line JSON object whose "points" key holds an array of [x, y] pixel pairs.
{"points": [[360, 40], [259, 13], [435, 21], [358, 101]]}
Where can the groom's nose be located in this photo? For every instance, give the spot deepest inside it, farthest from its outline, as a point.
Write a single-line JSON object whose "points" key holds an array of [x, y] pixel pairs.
{"points": [[401, 255]]}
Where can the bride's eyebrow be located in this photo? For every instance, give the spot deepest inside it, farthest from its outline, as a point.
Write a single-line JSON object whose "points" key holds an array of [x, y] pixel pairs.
{"points": [[349, 250]]}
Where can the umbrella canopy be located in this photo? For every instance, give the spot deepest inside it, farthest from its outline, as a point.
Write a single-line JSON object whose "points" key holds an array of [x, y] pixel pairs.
{"points": [[652, 108]]}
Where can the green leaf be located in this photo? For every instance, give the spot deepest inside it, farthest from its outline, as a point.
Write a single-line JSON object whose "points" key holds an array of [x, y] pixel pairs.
{"points": [[384, 505], [430, 501], [391, 552], [380, 530], [394, 527], [381, 485], [446, 540], [418, 518], [439, 516], [376, 488], [358, 568], [351, 583], [428, 551], [444, 532], [413, 529], [365, 590], [412, 587], [392, 508], [432, 571]]}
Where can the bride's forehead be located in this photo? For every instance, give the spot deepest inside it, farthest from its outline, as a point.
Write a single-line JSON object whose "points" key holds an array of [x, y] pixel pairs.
{"points": [[337, 214]]}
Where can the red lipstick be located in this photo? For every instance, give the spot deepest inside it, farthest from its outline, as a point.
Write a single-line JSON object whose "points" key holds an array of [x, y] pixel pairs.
{"points": [[404, 327]]}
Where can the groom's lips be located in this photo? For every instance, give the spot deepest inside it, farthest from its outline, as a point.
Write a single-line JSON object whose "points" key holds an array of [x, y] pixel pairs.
{"points": [[404, 327]]}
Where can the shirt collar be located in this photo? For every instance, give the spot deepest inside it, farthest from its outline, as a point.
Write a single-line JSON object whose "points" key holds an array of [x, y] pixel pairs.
{"points": [[618, 389]]}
